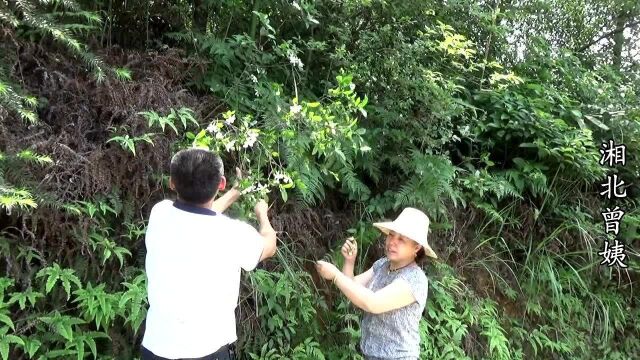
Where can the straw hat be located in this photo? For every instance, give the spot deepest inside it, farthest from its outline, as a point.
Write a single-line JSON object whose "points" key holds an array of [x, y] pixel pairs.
{"points": [[413, 224]]}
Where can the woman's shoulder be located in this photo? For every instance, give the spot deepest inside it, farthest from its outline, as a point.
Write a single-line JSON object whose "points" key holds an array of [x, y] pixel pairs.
{"points": [[418, 282], [416, 274]]}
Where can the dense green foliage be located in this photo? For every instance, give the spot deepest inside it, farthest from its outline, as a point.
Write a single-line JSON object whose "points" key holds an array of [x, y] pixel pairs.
{"points": [[488, 116]]}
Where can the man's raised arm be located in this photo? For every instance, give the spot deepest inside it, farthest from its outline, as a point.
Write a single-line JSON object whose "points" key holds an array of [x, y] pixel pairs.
{"points": [[266, 230]]}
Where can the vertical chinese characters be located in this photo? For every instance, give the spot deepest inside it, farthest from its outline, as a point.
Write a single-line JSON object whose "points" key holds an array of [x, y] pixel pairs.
{"points": [[614, 188]]}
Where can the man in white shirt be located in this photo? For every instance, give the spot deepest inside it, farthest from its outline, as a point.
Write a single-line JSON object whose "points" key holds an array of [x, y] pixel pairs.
{"points": [[193, 262]]}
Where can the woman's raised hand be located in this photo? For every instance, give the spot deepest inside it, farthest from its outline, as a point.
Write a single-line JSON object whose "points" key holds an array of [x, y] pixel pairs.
{"points": [[350, 250]]}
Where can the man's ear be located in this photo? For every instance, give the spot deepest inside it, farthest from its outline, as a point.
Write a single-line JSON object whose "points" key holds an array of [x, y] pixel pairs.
{"points": [[223, 183], [172, 185]]}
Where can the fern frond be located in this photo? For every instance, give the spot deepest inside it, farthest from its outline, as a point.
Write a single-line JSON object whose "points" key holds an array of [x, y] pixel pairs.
{"points": [[356, 189], [28, 155], [66, 4], [7, 17], [313, 186], [490, 211], [21, 198], [371, 168], [10, 99]]}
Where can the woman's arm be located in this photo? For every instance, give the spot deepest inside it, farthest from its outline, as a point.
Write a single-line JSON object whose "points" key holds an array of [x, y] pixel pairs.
{"points": [[364, 278], [394, 296]]}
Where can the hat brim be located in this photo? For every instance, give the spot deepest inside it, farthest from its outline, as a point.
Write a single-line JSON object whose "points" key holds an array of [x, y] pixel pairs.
{"points": [[389, 226]]}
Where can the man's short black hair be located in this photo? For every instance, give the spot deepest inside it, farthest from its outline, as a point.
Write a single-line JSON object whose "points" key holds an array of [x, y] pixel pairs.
{"points": [[421, 255], [196, 174]]}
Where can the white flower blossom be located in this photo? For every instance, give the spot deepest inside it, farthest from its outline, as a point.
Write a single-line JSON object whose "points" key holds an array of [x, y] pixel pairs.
{"points": [[261, 187], [252, 136], [248, 190], [278, 109], [231, 119], [284, 178], [212, 128], [219, 136], [295, 108], [229, 146], [332, 126], [295, 5], [257, 93], [254, 78], [295, 60], [352, 86]]}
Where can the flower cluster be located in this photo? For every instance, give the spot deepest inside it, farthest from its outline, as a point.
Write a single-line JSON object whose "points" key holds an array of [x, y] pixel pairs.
{"points": [[295, 60], [284, 178], [252, 136], [259, 188]]}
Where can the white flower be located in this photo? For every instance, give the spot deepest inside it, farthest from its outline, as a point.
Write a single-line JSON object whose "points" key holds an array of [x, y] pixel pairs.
{"points": [[284, 177], [295, 5], [295, 108], [257, 93], [248, 190], [219, 136], [352, 86], [332, 127], [212, 128], [231, 119], [229, 146], [252, 136], [260, 187], [295, 60], [254, 78], [278, 109]]}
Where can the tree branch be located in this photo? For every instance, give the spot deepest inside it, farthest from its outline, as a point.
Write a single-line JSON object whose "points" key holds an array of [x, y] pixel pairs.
{"points": [[610, 33]]}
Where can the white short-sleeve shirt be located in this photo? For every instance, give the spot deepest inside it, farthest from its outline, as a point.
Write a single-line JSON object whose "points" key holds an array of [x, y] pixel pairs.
{"points": [[193, 266]]}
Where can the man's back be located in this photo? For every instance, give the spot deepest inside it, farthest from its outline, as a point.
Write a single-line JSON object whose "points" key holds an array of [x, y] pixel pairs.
{"points": [[193, 266]]}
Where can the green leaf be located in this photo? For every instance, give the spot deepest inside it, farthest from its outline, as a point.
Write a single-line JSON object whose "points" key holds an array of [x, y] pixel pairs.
{"points": [[20, 298], [597, 122], [51, 281], [131, 145], [15, 340], [283, 193], [31, 346], [123, 73], [67, 287], [65, 330], [4, 350], [7, 320], [92, 346], [60, 353], [80, 348]]}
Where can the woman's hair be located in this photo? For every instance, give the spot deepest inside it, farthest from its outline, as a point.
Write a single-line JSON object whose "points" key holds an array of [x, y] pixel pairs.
{"points": [[421, 255]]}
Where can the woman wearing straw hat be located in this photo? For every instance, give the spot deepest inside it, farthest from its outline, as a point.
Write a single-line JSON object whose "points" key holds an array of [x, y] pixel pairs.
{"points": [[393, 292]]}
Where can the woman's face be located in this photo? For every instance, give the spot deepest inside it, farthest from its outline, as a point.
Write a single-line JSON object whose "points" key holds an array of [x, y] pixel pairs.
{"points": [[400, 248]]}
